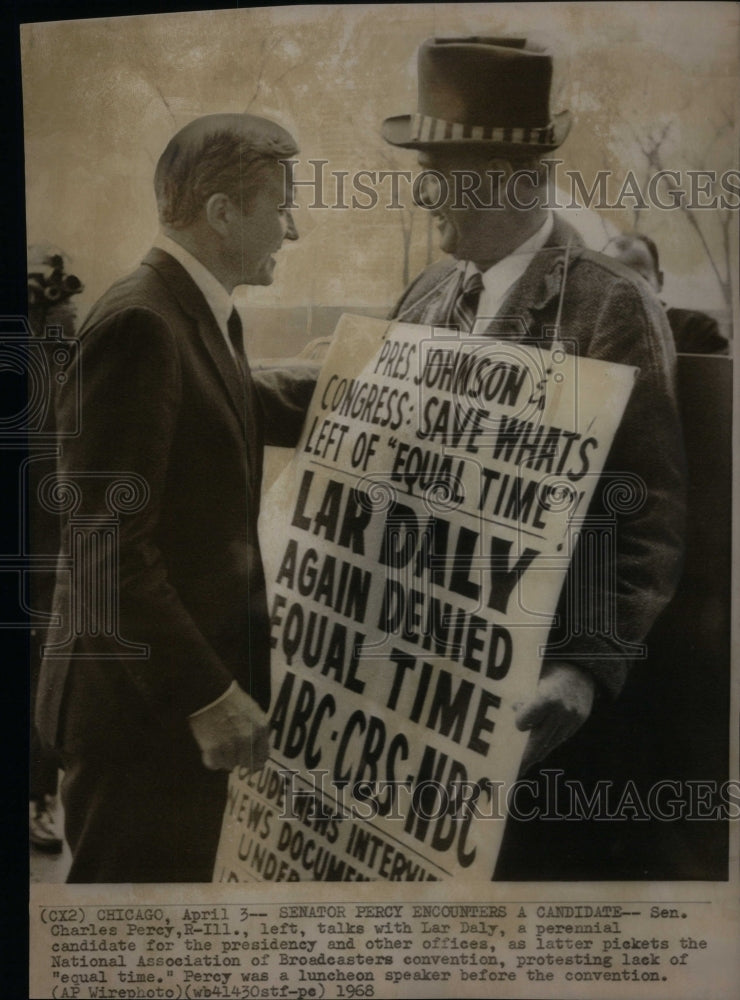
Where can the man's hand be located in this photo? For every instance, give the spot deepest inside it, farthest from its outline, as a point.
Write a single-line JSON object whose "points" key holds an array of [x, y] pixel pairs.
{"points": [[562, 703], [232, 733]]}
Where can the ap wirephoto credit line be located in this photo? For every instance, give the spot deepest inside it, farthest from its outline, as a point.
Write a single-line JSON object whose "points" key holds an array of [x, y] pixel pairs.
{"points": [[375, 543]]}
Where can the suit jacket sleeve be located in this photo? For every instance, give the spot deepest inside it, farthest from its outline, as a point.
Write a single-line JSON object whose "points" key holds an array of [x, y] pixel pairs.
{"points": [[642, 492], [284, 394], [131, 394], [696, 332]]}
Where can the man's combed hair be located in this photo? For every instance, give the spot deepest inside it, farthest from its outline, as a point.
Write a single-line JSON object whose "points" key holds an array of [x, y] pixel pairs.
{"points": [[625, 240], [217, 154], [652, 248]]}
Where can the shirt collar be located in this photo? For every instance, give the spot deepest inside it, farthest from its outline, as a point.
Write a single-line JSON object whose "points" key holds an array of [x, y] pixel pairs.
{"points": [[218, 299], [512, 267]]}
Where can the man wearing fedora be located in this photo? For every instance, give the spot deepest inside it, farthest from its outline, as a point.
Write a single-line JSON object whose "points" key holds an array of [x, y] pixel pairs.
{"points": [[156, 679], [514, 269]]}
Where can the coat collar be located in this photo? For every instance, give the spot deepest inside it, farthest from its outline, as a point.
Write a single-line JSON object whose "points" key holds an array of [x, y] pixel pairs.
{"points": [[194, 305], [519, 316], [542, 281]]}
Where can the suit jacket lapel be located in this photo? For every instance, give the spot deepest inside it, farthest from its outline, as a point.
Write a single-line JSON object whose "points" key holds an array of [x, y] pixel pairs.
{"points": [[193, 303], [519, 317]]}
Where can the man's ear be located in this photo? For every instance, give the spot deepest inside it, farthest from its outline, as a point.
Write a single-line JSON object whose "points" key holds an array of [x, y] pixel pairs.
{"points": [[501, 166], [660, 281], [219, 210]]}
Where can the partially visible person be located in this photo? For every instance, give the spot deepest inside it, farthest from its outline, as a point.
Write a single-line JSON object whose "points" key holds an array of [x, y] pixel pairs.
{"points": [[51, 291], [694, 332]]}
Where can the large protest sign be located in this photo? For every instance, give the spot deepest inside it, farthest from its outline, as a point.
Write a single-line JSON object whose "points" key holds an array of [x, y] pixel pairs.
{"points": [[415, 548]]}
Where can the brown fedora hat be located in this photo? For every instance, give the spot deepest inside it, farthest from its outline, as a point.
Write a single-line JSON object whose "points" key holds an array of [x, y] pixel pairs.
{"points": [[492, 92]]}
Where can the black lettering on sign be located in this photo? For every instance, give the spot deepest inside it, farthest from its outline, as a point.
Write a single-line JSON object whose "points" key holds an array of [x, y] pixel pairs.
{"points": [[296, 723], [338, 584], [324, 520]]}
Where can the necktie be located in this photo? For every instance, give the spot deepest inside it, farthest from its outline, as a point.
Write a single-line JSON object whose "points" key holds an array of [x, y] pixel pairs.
{"points": [[236, 336], [465, 304]]}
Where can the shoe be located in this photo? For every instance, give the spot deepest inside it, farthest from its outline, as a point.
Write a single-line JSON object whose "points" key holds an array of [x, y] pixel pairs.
{"points": [[41, 832]]}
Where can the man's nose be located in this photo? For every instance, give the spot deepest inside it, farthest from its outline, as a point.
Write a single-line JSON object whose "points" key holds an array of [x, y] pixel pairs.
{"points": [[291, 230]]}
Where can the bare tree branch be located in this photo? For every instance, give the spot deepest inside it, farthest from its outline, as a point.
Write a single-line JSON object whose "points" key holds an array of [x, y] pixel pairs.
{"points": [[266, 48], [651, 147], [165, 102]]}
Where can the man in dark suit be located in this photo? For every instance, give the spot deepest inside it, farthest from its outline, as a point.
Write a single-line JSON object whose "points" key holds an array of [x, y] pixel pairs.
{"points": [[156, 679], [693, 332], [515, 271]]}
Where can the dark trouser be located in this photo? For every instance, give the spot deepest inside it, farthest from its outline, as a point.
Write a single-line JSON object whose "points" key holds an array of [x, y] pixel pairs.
{"points": [[44, 763], [153, 818], [44, 769]]}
